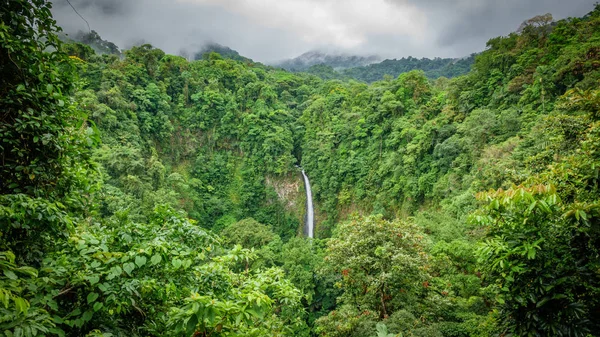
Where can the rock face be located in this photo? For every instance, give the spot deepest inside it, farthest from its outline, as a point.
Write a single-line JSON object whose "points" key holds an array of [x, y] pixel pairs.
{"points": [[296, 200], [336, 61], [287, 189]]}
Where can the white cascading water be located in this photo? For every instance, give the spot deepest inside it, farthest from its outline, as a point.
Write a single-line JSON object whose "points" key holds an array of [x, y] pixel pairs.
{"points": [[309, 207]]}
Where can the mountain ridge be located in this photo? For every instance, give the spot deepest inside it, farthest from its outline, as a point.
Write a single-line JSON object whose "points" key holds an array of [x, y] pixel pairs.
{"points": [[335, 60]]}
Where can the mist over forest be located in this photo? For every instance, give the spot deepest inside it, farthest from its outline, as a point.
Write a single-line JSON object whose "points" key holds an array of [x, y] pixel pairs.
{"points": [[299, 168]]}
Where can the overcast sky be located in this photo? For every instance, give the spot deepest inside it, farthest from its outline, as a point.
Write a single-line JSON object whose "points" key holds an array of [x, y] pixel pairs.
{"points": [[271, 30]]}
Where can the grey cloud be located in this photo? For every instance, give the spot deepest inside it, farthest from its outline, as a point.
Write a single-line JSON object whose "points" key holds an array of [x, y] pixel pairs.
{"points": [[454, 28], [102, 7], [176, 27], [468, 24], [502, 18]]}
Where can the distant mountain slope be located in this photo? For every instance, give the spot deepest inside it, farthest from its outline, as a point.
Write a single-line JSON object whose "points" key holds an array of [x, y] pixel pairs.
{"points": [[338, 61], [224, 51], [94, 40], [344, 67], [326, 72], [326, 66], [433, 68]]}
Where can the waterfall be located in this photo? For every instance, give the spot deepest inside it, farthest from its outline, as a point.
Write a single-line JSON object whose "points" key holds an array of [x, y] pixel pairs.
{"points": [[310, 215]]}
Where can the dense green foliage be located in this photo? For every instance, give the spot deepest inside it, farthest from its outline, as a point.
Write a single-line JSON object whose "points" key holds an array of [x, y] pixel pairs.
{"points": [[95, 239], [224, 51], [433, 68], [93, 40], [335, 61], [346, 69], [152, 196]]}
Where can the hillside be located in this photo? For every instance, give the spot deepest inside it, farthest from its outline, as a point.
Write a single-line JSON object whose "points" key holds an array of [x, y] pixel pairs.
{"points": [[433, 68], [149, 195], [336, 61], [224, 51], [93, 40], [369, 69]]}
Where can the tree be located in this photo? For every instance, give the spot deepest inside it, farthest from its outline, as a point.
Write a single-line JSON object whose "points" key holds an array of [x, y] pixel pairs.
{"points": [[536, 22], [379, 263], [541, 257], [45, 152], [46, 171]]}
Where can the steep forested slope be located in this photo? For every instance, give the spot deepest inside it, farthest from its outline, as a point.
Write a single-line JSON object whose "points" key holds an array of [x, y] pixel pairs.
{"points": [[433, 68], [224, 51], [97, 176], [336, 61], [525, 121], [345, 68], [202, 136], [152, 196]]}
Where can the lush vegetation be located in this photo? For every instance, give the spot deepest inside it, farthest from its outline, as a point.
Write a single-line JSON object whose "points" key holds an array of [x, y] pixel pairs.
{"points": [[336, 61], [224, 51], [93, 40], [346, 68], [433, 68], [153, 196]]}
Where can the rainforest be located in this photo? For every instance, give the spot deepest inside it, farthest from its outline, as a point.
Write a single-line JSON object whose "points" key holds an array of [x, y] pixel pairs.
{"points": [[145, 194]]}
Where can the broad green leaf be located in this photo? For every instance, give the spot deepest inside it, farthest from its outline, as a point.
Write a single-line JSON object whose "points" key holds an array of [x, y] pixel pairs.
{"points": [[191, 325], [21, 305], [4, 297], [103, 287], [114, 272], [155, 259], [28, 270], [129, 267], [93, 279], [98, 306], [255, 312], [140, 260], [531, 253], [87, 316], [210, 315], [542, 302], [186, 263], [10, 274], [57, 331], [91, 297]]}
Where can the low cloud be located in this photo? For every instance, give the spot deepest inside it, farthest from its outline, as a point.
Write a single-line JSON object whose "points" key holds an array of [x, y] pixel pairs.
{"points": [[339, 23]]}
